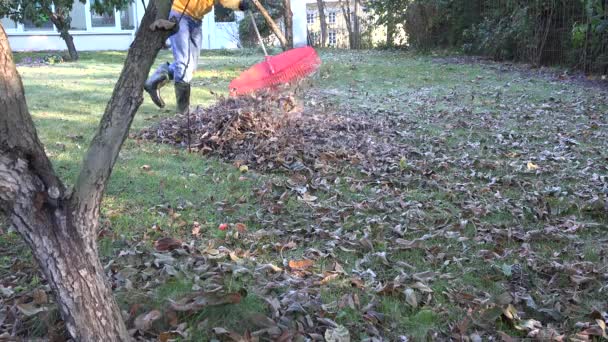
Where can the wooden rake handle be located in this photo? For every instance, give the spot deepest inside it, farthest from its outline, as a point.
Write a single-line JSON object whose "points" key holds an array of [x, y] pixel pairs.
{"points": [[273, 25]]}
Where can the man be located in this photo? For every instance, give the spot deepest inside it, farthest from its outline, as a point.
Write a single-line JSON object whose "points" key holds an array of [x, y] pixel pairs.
{"points": [[185, 44]]}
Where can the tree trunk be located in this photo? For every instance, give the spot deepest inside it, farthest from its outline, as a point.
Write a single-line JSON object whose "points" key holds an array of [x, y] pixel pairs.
{"points": [[288, 15], [346, 12], [390, 32], [273, 26], [356, 26], [61, 227], [63, 28], [323, 20]]}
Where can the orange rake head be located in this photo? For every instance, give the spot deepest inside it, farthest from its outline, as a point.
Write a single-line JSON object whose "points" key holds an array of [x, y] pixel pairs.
{"points": [[286, 67]]}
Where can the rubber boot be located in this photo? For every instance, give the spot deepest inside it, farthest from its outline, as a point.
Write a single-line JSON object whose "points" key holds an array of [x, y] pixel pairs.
{"points": [[160, 78], [182, 97]]}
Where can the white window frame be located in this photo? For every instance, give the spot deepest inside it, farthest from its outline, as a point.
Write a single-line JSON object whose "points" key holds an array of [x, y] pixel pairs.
{"points": [[20, 29], [116, 29], [335, 17], [329, 40], [310, 18], [12, 29], [107, 29]]}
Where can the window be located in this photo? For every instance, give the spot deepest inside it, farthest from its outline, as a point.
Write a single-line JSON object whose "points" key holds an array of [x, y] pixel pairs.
{"points": [[78, 15], [127, 18], [332, 38], [332, 17], [316, 38], [29, 25], [102, 20], [8, 24], [310, 18], [223, 14]]}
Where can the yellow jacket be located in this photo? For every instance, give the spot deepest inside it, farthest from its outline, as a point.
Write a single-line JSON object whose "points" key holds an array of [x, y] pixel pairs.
{"points": [[198, 8]]}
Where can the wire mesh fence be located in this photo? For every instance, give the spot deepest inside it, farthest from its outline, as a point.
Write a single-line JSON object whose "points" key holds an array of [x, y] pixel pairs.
{"points": [[571, 33], [556, 32]]}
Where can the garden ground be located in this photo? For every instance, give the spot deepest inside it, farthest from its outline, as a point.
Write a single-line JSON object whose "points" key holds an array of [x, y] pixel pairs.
{"points": [[452, 200]]}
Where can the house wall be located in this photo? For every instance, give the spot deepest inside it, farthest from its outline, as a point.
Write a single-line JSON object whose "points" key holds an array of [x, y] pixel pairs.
{"points": [[337, 27], [87, 37], [372, 35]]}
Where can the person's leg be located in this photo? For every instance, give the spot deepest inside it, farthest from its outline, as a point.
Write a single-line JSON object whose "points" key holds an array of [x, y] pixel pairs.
{"points": [[165, 71], [182, 82], [180, 47]]}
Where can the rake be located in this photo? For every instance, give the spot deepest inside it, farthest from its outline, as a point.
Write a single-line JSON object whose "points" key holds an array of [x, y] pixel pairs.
{"points": [[287, 67]]}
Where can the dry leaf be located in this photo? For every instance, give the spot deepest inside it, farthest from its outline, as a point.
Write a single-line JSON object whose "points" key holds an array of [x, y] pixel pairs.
{"points": [[338, 334], [199, 300], [240, 227], [196, 229], [144, 322], [30, 310], [167, 244], [532, 166], [410, 297], [40, 297], [300, 264]]}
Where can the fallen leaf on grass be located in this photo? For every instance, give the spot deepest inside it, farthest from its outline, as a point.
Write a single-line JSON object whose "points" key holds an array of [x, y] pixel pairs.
{"points": [[196, 228], [240, 227], [40, 297], [308, 198], [410, 297], [144, 322], [339, 334], [327, 279], [532, 166], [6, 291], [167, 244], [300, 264], [167, 336], [30, 309], [200, 300]]}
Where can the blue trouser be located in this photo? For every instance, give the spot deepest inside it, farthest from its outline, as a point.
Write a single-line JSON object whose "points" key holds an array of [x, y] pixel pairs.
{"points": [[185, 44]]}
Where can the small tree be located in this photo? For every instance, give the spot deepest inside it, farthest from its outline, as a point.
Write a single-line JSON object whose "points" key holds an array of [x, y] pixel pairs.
{"points": [[57, 11], [323, 19], [352, 22], [274, 9], [288, 18], [60, 224], [389, 13]]}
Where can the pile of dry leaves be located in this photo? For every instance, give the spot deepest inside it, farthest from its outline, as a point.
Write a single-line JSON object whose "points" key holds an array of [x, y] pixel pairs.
{"points": [[275, 132]]}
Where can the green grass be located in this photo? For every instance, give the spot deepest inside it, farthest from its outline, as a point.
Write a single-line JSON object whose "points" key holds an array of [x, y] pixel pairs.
{"points": [[445, 106]]}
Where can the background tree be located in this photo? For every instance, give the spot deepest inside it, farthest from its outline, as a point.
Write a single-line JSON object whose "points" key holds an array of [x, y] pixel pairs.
{"points": [[351, 17], [389, 13], [60, 225], [57, 12], [274, 9], [288, 19], [323, 20]]}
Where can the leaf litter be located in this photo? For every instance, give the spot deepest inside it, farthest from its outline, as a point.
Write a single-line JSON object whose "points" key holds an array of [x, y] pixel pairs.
{"points": [[488, 214]]}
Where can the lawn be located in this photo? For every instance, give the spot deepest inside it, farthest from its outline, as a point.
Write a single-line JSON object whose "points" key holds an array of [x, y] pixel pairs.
{"points": [[486, 217]]}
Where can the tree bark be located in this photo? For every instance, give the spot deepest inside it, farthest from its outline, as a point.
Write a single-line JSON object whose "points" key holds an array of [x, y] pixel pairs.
{"points": [[356, 26], [61, 227], [64, 33], [288, 15], [347, 18], [390, 32], [273, 26], [323, 20]]}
